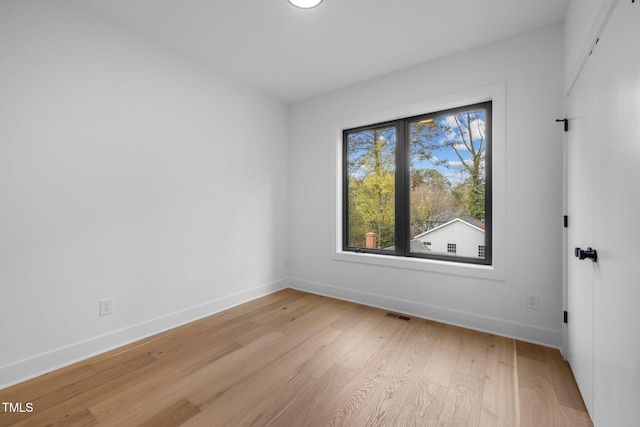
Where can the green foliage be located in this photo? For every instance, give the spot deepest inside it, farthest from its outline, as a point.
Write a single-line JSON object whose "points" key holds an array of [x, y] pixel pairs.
{"points": [[372, 209], [371, 187]]}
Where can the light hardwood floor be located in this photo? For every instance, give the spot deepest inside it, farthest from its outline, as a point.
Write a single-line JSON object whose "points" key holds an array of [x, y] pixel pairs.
{"points": [[296, 359]]}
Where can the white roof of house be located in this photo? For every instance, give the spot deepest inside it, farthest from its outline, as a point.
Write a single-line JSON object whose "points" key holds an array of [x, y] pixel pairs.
{"points": [[446, 224]]}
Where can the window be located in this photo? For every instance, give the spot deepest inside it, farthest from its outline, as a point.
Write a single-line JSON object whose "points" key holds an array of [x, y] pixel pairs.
{"points": [[420, 186]]}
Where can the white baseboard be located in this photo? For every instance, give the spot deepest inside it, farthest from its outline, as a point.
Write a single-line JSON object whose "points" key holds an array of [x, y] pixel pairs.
{"points": [[41, 364], [519, 331]]}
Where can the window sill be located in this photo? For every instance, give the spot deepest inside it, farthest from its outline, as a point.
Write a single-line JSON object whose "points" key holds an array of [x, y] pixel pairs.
{"points": [[477, 271]]}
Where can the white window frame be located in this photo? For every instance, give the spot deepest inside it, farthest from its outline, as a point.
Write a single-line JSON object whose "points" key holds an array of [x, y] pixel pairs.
{"points": [[496, 271]]}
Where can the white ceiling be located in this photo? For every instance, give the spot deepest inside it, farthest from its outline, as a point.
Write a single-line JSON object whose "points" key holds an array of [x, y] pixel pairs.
{"points": [[292, 54]]}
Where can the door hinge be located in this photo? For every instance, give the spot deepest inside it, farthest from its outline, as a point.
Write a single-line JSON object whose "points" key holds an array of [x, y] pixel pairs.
{"points": [[566, 124], [565, 316], [566, 221]]}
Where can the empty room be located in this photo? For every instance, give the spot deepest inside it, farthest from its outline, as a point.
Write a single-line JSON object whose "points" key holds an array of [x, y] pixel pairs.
{"points": [[319, 212]]}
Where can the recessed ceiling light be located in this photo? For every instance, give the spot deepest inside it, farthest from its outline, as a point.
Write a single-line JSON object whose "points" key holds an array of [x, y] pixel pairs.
{"points": [[305, 4]]}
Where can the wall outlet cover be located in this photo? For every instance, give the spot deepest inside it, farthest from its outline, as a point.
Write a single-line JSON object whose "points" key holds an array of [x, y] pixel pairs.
{"points": [[106, 306], [532, 302]]}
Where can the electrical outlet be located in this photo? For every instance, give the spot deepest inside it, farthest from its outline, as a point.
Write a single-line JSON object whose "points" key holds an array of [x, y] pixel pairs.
{"points": [[106, 306], [532, 302]]}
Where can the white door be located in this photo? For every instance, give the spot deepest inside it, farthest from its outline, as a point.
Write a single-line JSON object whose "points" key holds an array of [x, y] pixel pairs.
{"points": [[582, 106], [617, 197], [611, 83]]}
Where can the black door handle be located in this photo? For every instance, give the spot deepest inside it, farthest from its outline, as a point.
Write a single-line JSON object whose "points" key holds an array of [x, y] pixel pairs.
{"points": [[590, 253]]}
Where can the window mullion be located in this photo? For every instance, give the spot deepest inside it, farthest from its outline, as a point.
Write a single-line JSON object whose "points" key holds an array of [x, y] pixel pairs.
{"points": [[402, 189]]}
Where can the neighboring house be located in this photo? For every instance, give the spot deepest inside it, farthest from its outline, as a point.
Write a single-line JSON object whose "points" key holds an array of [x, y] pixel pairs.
{"points": [[460, 236]]}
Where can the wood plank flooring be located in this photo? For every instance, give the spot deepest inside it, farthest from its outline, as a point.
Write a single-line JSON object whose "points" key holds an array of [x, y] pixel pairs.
{"points": [[297, 359]]}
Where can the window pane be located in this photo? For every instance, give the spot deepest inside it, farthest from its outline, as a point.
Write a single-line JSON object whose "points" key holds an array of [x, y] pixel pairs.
{"points": [[370, 188], [447, 184]]}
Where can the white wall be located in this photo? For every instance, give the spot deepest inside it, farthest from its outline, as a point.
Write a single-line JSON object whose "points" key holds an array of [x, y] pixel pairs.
{"points": [[126, 171], [583, 22], [531, 66]]}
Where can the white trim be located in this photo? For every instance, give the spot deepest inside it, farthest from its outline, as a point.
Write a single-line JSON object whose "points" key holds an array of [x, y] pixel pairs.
{"points": [[492, 325], [496, 271], [47, 362]]}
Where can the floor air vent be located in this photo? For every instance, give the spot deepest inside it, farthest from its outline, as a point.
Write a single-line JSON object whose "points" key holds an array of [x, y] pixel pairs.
{"points": [[399, 316]]}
